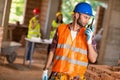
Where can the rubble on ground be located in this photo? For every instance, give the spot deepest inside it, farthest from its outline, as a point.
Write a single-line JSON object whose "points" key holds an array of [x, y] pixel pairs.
{"points": [[103, 72]]}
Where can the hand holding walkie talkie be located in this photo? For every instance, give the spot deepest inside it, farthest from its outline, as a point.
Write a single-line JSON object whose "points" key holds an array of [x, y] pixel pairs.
{"points": [[91, 25], [89, 32]]}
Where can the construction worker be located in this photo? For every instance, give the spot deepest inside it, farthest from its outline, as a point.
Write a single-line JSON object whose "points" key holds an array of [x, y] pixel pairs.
{"points": [[33, 29], [72, 47], [56, 23]]}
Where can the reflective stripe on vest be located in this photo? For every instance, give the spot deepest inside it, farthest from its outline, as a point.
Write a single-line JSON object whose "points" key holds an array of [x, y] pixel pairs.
{"points": [[72, 48], [80, 63], [70, 55]]}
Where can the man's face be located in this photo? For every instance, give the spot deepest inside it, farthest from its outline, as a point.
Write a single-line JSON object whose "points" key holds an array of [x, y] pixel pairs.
{"points": [[83, 19], [37, 16]]}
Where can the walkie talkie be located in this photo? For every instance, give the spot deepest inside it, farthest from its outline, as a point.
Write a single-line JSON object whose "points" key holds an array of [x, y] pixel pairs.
{"points": [[90, 25]]}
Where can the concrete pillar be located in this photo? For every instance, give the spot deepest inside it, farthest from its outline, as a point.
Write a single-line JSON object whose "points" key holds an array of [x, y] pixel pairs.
{"points": [[2, 4], [53, 7], [5, 18]]}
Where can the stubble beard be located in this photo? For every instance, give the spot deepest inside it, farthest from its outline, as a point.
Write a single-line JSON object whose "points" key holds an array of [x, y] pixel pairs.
{"points": [[79, 22]]}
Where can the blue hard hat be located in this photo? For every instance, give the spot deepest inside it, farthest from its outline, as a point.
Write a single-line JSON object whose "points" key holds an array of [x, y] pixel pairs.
{"points": [[84, 8]]}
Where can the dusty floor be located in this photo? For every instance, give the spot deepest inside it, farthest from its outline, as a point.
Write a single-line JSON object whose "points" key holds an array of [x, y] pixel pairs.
{"points": [[18, 71]]}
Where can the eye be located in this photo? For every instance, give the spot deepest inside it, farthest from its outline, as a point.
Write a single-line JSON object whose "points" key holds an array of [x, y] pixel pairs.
{"points": [[86, 17]]}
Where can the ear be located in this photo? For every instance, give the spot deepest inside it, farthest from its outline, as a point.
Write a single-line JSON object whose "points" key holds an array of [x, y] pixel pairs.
{"points": [[77, 15]]}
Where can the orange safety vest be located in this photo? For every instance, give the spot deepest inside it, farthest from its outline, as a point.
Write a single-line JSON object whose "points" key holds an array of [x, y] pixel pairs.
{"points": [[70, 56]]}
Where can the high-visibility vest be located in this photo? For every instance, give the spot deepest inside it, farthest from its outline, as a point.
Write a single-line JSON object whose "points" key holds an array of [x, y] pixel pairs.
{"points": [[54, 25], [70, 56], [33, 32]]}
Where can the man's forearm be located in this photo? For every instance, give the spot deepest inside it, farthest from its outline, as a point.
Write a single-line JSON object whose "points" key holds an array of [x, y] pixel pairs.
{"points": [[92, 54], [49, 60]]}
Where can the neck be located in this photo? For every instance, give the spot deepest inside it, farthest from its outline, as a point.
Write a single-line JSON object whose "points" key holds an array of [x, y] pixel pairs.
{"points": [[75, 26]]}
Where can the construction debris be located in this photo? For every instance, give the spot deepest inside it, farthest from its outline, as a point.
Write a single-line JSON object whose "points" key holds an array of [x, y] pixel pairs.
{"points": [[103, 72]]}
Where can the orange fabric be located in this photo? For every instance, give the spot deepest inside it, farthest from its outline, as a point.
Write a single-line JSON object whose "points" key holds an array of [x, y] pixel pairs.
{"points": [[64, 37]]}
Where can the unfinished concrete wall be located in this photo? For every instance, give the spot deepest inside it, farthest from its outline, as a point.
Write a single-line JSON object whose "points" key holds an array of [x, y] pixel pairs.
{"points": [[30, 5], [109, 51]]}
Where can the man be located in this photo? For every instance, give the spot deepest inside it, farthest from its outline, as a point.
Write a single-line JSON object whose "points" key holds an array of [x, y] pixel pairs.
{"points": [[72, 47], [33, 30]]}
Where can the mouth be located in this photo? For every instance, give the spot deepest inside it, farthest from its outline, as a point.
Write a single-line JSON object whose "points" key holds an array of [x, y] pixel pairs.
{"points": [[84, 24]]}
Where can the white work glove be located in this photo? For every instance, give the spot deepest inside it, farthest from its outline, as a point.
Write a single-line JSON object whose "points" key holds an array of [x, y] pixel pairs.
{"points": [[89, 34], [45, 75]]}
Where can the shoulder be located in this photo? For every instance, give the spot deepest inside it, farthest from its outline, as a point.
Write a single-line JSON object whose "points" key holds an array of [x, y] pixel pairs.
{"points": [[53, 21], [32, 19], [83, 29], [62, 26]]}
